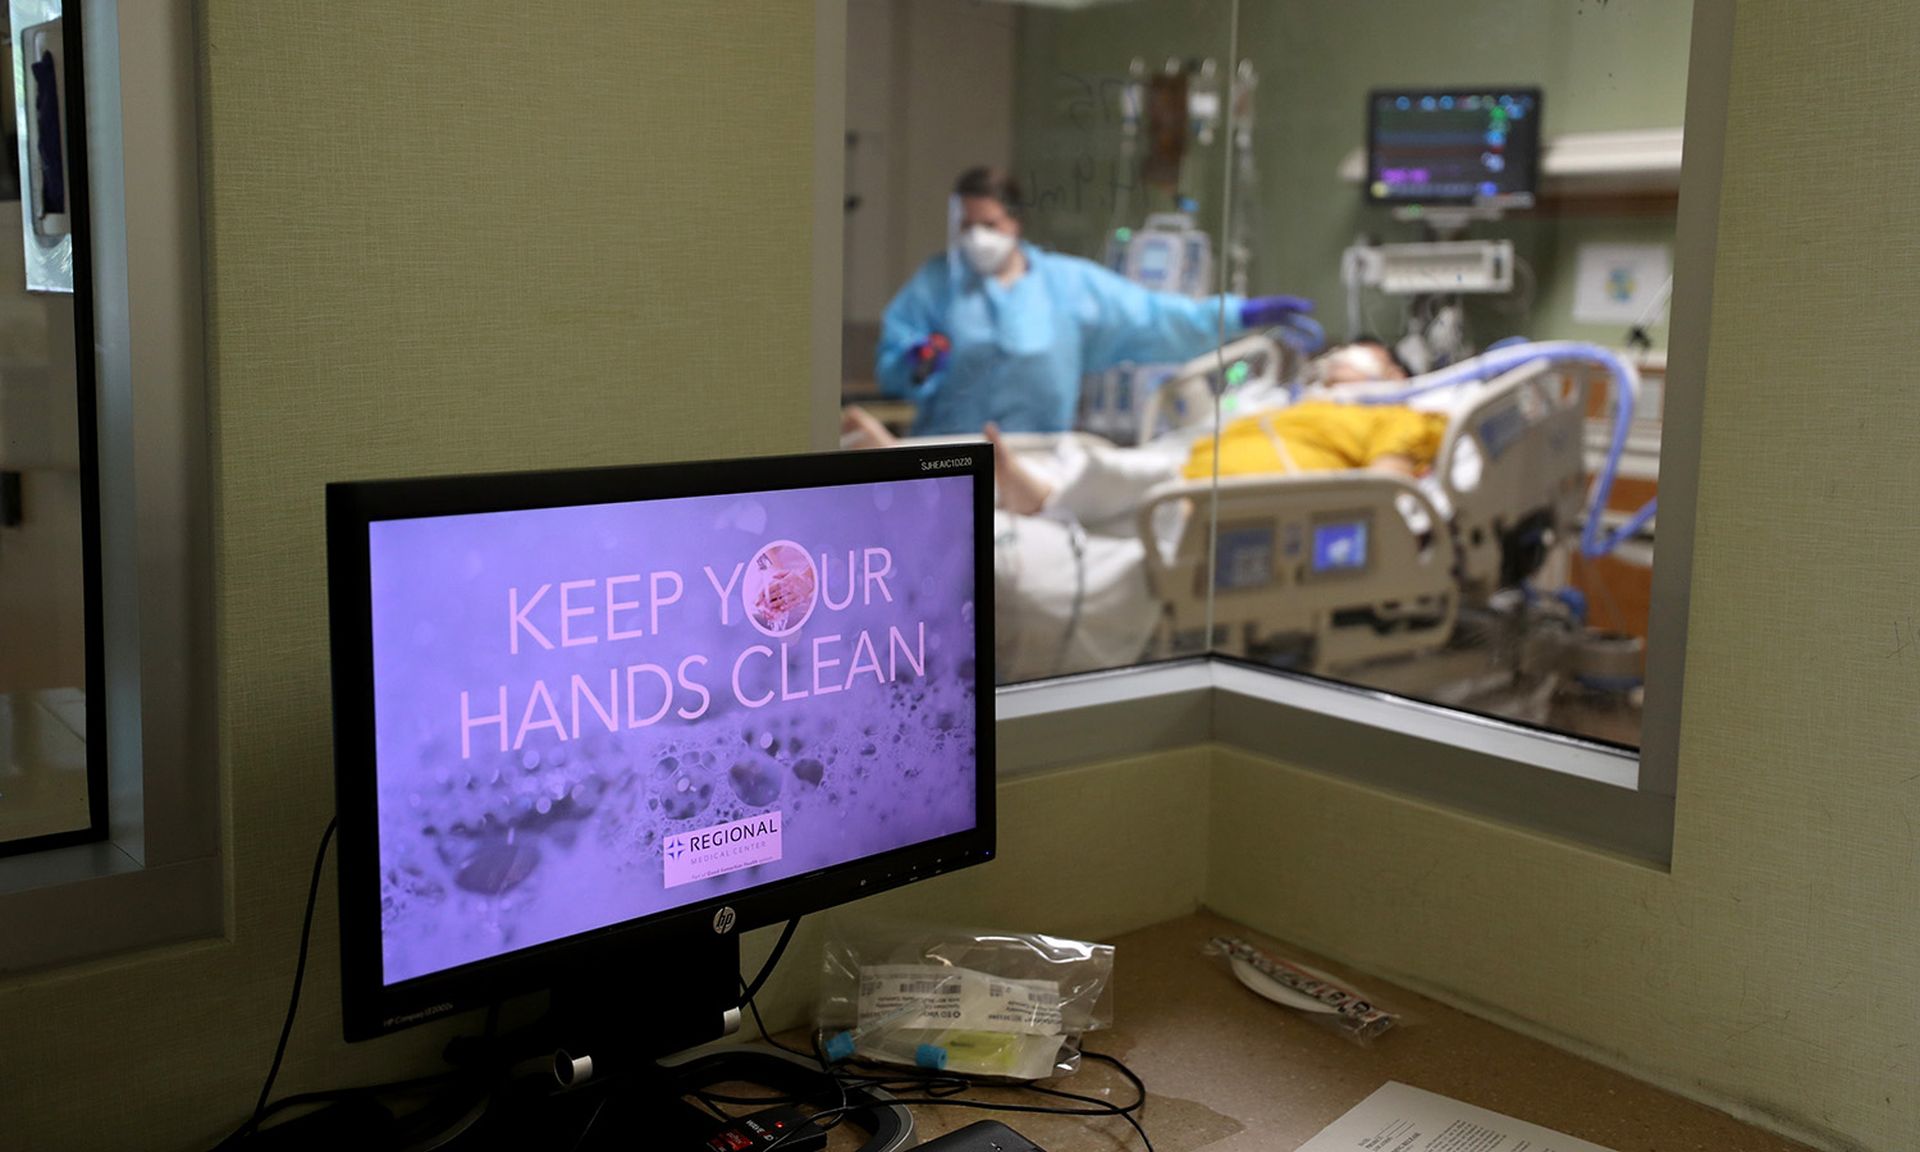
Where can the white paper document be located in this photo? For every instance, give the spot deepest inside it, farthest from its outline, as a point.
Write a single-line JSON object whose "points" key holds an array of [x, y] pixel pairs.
{"points": [[1401, 1118]]}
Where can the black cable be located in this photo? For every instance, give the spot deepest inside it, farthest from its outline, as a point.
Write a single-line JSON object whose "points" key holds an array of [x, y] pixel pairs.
{"points": [[252, 1123], [832, 1074], [715, 1110], [773, 958], [581, 1139], [330, 1095], [1132, 1077], [979, 1106], [939, 1090], [1127, 1112], [820, 1057], [1098, 1106], [749, 993], [754, 1007]]}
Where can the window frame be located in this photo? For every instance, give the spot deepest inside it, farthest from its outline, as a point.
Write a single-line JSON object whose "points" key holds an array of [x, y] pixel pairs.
{"points": [[156, 877], [1585, 791]]}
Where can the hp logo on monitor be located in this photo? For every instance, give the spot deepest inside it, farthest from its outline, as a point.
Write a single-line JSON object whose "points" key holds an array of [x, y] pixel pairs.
{"points": [[723, 921]]}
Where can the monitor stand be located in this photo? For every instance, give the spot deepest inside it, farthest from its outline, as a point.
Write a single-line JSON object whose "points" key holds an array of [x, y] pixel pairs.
{"points": [[595, 1053], [648, 1107], [609, 1021], [593, 1066]]}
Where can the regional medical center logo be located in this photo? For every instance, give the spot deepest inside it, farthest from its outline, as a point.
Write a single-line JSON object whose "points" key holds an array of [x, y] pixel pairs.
{"points": [[779, 592], [708, 852]]}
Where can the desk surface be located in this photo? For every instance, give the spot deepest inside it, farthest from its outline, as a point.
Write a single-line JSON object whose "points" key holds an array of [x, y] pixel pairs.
{"points": [[1229, 1072]]}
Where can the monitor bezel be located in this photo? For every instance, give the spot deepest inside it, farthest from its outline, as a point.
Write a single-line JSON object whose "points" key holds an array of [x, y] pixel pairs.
{"points": [[371, 1007], [1532, 189]]}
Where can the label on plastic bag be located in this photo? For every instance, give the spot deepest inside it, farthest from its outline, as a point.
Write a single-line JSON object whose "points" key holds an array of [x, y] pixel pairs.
{"points": [[935, 997]]}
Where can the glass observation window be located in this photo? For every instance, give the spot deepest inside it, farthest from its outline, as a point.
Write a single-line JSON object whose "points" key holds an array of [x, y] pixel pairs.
{"points": [[1326, 338]]}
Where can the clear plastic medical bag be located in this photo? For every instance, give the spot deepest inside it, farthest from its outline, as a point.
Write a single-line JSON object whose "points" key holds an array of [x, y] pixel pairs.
{"points": [[999, 1004]]}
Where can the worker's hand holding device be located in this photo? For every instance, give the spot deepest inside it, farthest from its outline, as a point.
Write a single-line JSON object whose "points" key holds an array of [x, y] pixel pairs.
{"points": [[929, 356], [1267, 311]]}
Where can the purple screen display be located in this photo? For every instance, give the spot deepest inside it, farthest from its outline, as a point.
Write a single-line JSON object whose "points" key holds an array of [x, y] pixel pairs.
{"points": [[590, 714]]}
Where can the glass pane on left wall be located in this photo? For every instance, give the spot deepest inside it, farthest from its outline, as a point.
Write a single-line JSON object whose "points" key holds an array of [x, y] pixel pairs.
{"points": [[44, 778]]}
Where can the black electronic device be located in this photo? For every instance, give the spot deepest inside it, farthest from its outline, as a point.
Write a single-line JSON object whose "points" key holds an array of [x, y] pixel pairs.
{"points": [[985, 1136], [590, 725], [787, 1127], [1453, 146]]}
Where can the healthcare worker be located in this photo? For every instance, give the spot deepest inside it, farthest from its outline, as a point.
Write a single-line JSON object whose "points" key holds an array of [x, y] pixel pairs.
{"points": [[997, 330]]}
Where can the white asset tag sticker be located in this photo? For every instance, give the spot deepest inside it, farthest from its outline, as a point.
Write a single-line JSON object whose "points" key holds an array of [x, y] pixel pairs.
{"points": [[930, 997]]}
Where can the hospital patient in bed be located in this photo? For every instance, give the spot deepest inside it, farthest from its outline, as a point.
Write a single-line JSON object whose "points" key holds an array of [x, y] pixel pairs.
{"points": [[1070, 592]]}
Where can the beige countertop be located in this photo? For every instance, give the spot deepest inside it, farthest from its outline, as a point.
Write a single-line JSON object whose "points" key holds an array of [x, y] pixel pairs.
{"points": [[1229, 1072]]}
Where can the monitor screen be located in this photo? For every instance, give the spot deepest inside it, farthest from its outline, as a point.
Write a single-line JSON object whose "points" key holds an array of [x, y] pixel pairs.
{"points": [[1340, 547], [1245, 557], [1453, 146], [599, 712], [1155, 259]]}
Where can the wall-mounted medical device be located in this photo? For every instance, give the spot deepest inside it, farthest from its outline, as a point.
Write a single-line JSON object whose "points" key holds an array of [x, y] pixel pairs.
{"points": [[1448, 267], [1464, 147]]}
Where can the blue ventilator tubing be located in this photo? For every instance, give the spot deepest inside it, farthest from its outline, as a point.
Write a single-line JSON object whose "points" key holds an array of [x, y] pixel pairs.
{"points": [[1594, 543]]}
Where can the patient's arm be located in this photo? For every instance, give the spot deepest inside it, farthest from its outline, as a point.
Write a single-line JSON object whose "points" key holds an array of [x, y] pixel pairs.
{"points": [[1094, 481], [1019, 488], [1087, 480]]}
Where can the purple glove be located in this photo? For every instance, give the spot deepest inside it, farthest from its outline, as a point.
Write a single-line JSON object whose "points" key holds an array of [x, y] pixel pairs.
{"points": [[1267, 311], [929, 356]]}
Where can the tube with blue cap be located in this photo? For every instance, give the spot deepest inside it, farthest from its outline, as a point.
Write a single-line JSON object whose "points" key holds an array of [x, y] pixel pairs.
{"points": [[1004, 1005], [903, 1036], [881, 1041], [964, 1051]]}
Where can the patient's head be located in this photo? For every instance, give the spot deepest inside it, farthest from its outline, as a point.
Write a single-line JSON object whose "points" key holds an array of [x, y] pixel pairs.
{"points": [[1359, 362]]}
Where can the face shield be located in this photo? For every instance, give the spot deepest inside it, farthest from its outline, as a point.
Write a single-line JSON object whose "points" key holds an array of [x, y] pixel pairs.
{"points": [[956, 212]]}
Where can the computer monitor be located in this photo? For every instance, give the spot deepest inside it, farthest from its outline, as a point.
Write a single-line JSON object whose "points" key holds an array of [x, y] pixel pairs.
{"points": [[1453, 146], [590, 725]]}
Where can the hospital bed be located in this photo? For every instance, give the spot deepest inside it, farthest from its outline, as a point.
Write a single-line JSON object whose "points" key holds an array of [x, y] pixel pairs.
{"points": [[1446, 587], [1331, 570], [1246, 374]]}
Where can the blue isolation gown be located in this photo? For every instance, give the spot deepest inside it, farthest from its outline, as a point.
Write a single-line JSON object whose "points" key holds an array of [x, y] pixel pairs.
{"points": [[1019, 351]]}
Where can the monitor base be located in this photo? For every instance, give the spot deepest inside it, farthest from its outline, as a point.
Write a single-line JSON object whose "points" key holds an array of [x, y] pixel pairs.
{"points": [[649, 1108]]}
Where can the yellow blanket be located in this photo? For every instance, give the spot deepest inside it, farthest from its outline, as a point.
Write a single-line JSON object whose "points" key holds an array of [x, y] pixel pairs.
{"points": [[1320, 437]]}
